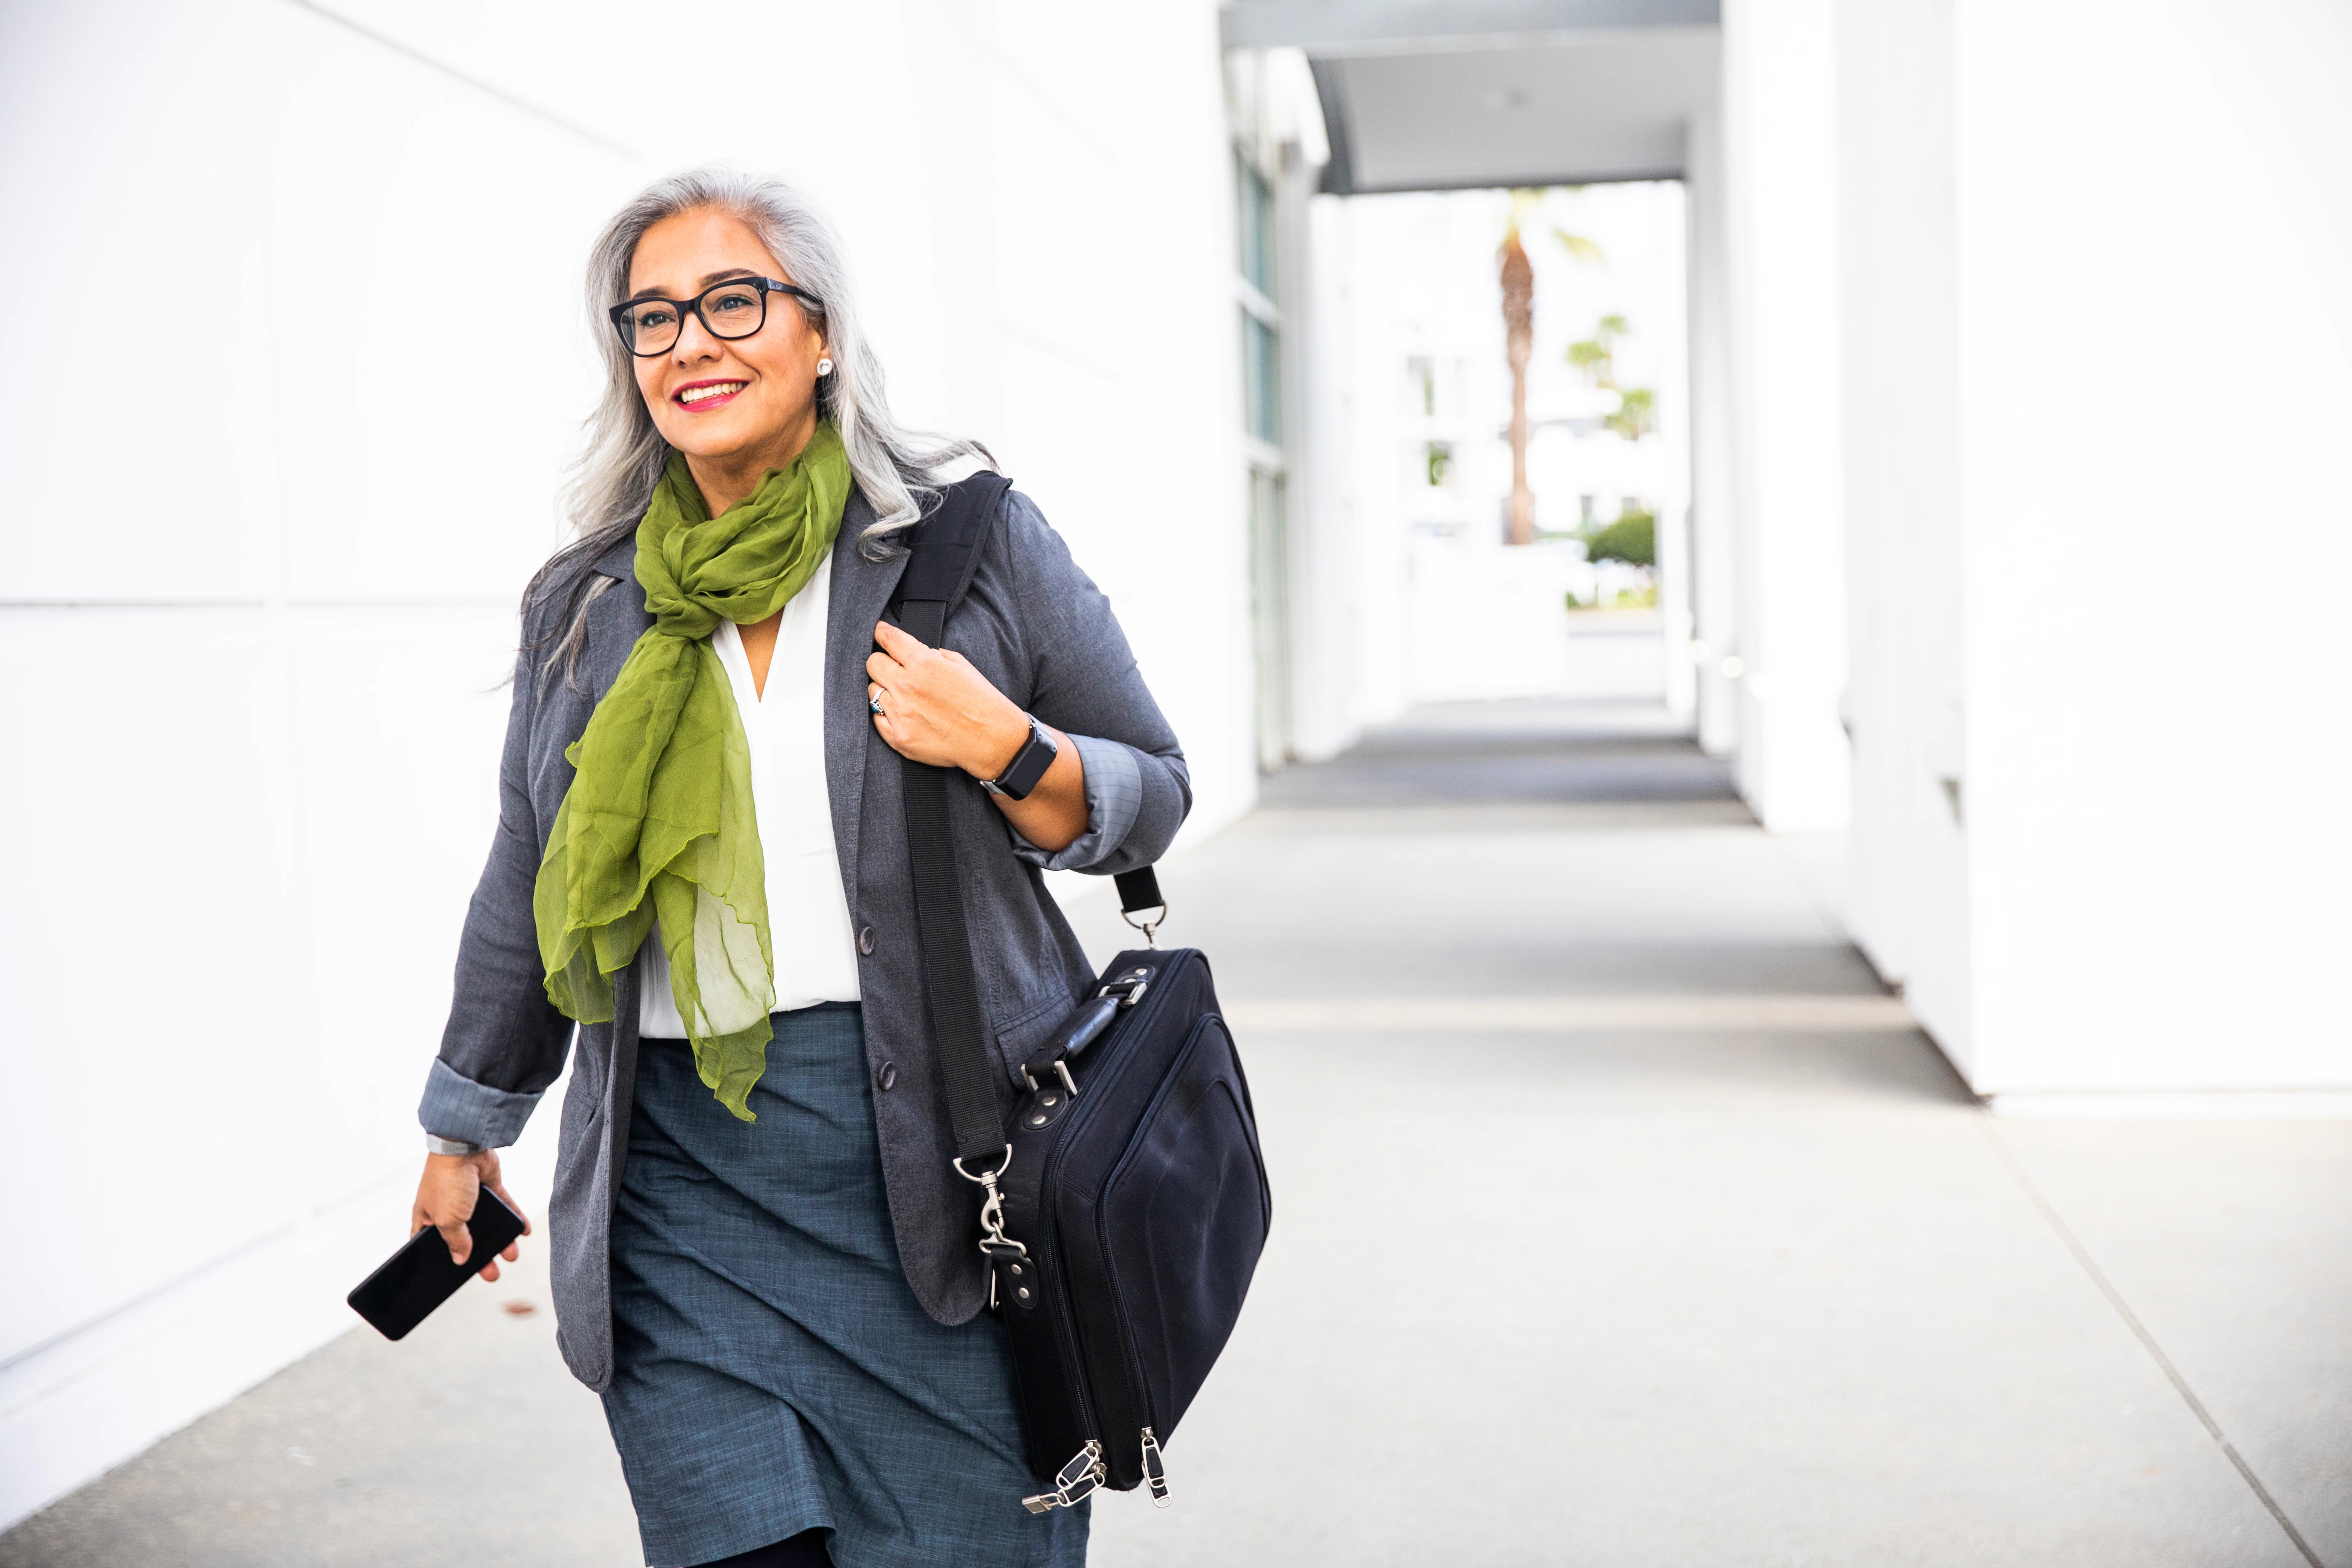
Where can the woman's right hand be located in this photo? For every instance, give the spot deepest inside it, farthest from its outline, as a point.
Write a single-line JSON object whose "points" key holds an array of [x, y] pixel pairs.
{"points": [[446, 1195]]}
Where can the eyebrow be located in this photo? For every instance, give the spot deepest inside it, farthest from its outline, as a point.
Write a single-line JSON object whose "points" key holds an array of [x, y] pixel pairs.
{"points": [[722, 275]]}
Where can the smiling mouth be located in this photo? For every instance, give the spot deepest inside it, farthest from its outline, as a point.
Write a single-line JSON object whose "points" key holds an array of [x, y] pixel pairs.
{"points": [[708, 392]]}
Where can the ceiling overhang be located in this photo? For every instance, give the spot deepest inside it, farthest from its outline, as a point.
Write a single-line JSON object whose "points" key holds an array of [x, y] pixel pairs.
{"points": [[1423, 95]]}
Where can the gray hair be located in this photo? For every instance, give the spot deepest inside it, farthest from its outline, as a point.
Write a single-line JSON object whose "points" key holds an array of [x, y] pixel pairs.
{"points": [[896, 468]]}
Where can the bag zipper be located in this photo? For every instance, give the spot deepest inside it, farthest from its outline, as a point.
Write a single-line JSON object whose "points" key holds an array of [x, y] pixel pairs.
{"points": [[1155, 1470]]}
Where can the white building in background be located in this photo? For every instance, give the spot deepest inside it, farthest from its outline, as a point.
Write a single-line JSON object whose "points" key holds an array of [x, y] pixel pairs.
{"points": [[1421, 307], [1939, 282], [267, 523]]}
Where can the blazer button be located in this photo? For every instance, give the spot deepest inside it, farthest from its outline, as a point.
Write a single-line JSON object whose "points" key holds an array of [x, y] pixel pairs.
{"points": [[888, 1077], [865, 941]]}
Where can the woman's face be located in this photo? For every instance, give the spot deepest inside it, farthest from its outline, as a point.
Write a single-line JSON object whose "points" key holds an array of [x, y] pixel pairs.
{"points": [[729, 402]]}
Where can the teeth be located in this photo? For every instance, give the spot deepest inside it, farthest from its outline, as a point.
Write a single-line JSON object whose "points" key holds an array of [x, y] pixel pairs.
{"points": [[696, 393]]}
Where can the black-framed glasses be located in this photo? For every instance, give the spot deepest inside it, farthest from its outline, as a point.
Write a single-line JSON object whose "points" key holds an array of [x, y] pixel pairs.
{"points": [[735, 308]]}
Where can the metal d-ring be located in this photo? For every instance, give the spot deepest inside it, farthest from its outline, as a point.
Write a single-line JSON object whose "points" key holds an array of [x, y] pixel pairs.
{"points": [[1150, 928], [986, 1178]]}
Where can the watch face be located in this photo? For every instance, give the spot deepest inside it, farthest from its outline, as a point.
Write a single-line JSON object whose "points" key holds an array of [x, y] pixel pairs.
{"points": [[1029, 764]]}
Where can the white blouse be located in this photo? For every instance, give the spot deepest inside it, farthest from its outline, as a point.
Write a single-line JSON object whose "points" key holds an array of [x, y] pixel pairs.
{"points": [[808, 913]]}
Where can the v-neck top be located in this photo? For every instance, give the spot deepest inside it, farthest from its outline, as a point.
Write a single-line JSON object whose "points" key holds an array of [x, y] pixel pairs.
{"points": [[808, 909]]}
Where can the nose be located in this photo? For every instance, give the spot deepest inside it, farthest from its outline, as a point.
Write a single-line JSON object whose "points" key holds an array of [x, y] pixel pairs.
{"points": [[694, 340]]}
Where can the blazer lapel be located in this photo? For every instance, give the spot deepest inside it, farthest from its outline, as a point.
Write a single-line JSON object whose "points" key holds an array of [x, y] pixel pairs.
{"points": [[860, 590]]}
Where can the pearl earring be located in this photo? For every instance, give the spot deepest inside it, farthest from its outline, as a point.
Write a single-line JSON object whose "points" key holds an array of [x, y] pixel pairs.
{"points": [[825, 367]]}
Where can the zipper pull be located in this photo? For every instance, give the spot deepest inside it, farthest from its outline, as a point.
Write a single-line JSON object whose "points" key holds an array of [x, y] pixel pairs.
{"points": [[1155, 1470]]}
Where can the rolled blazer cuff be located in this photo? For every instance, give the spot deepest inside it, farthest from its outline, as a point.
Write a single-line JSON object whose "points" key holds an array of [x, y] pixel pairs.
{"points": [[455, 1106], [1114, 799]]}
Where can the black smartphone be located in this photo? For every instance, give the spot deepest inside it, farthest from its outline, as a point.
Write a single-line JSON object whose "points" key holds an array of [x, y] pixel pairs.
{"points": [[420, 1277]]}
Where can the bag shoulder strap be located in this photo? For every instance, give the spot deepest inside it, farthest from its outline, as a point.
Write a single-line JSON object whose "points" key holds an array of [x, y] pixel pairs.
{"points": [[946, 553]]}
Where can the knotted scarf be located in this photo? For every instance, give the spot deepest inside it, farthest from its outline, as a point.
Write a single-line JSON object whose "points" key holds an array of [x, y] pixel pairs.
{"points": [[659, 820]]}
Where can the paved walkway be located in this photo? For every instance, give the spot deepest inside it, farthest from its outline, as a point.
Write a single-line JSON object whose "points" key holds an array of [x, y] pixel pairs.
{"points": [[1619, 1221]]}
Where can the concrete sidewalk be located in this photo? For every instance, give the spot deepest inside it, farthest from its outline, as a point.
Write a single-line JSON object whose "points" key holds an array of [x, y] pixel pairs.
{"points": [[1619, 1221]]}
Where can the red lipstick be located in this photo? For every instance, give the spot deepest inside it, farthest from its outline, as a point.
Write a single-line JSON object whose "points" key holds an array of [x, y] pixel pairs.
{"points": [[698, 405]]}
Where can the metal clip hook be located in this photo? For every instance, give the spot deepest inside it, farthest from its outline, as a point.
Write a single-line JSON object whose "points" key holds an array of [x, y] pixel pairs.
{"points": [[991, 1210], [1150, 928]]}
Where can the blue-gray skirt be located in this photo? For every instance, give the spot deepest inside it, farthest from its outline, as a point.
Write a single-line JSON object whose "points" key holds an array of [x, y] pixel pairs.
{"points": [[772, 1372]]}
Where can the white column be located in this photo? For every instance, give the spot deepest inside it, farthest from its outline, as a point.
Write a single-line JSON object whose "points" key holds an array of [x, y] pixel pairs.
{"points": [[1907, 888], [1780, 133], [1673, 532], [1714, 574]]}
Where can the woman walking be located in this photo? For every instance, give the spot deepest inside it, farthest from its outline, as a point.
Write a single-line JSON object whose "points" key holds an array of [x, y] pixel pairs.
{"points": [[761, 1257]]}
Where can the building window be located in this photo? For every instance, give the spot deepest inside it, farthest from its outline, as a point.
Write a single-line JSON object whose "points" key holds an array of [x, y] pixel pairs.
{"points": [[1256, 227], [1261, 380], [1261, 323], [1255, 290]]}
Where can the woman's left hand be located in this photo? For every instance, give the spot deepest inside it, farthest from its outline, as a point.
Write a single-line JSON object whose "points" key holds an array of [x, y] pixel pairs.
{"points": [[937, 708]]}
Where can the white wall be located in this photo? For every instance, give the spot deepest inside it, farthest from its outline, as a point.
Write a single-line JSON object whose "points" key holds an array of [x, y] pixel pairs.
{"points": [[2099, 327], [2160, 859], [264, 536]]}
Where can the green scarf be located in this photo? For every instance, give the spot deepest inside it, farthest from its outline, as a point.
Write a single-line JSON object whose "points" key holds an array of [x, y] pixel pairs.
{"points": [[658, 819]]}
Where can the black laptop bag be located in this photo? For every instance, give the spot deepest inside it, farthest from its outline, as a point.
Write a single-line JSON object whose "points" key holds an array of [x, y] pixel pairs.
{"points": [[1124, 1201]]}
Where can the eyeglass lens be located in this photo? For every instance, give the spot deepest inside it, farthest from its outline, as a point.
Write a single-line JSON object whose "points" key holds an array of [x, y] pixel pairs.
{"points": [[729, 310]]}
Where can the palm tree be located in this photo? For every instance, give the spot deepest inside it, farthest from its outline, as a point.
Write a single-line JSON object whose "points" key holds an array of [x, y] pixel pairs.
{"points": [[1518, 347], [1518, 277]]}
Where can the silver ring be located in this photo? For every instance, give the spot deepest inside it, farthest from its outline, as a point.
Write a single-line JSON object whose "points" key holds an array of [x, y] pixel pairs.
{"points": [[874, 703]]}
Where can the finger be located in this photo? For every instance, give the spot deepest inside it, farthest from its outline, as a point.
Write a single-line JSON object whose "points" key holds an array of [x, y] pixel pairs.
{"points": [[459, 1240], [506, 1198], [490, 1269], [882, 669], [901, 646], [513, 1254]]}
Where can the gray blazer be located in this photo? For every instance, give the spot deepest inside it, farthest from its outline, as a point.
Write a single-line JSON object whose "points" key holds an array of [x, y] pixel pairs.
{"points": [[1042, 632]]}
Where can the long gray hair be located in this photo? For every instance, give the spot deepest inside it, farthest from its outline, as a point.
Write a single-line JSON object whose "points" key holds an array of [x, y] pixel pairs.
{"points": [[895, 468]]}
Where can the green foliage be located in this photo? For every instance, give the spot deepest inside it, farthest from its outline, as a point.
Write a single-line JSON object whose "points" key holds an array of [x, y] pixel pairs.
{"points": [[1596, 359], [1596, 356], [1440, 457], [1525, 199], [1636, 415], [1632, 538], [1623, 599], [1577, 246]]}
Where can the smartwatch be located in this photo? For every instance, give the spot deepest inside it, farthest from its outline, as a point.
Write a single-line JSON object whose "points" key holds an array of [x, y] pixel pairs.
{"points": [[1028, 766]]}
